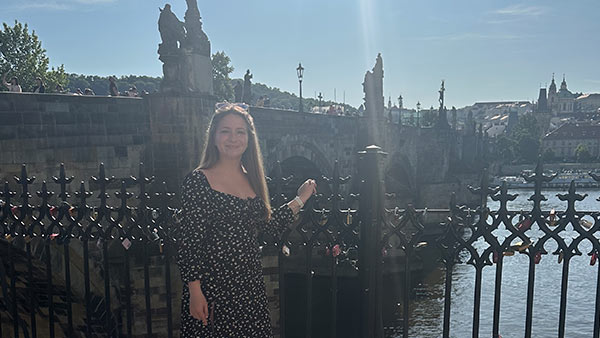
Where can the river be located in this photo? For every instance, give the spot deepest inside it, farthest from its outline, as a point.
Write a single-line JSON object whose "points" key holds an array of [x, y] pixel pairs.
{"points": [[427, 309]]}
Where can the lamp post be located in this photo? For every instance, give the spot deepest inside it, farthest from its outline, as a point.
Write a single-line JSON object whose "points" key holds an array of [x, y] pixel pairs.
{"points": [[320, 100], [300, 72], [400, 103], [418, 114]]}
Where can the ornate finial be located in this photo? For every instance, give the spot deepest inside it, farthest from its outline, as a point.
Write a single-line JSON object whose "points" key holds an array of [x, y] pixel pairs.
{"points": [[441, 99]]}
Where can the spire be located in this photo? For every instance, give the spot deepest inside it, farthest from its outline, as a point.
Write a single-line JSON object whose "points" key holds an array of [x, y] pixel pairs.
{"points": [[552, 88], [563, 84]]}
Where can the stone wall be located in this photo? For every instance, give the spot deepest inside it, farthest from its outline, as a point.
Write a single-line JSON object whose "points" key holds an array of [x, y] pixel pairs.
{"points": [[44, 130], [178, 127]]}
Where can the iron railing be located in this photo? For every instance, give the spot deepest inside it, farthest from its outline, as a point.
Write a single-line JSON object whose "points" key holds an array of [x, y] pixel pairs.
{"points": [[69, 261]]}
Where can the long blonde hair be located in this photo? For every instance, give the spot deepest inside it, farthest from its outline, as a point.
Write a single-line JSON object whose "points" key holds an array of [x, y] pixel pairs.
{"points": [[252, 160]]}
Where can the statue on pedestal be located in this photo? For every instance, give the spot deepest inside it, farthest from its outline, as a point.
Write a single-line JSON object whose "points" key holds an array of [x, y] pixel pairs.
{"points": [[238, 91], [185, 52], [373, 89], [374, 102], [442, 121], [196, 40], [172, 33], [247, 92]]}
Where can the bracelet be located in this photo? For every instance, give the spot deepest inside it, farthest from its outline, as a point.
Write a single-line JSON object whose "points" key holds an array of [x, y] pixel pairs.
{"points": [[299, 201]]}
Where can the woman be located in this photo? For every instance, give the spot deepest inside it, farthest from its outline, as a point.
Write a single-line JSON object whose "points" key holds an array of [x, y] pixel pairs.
{"points": [[225, 202], [13, 86], [39, 88]]}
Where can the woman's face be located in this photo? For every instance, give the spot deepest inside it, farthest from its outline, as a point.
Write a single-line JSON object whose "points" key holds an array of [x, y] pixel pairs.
{"points": [[13, 81], [231, 136]]}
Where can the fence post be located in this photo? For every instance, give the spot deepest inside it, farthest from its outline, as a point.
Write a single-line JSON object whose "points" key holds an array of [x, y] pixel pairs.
{"points": [[370, 216]]}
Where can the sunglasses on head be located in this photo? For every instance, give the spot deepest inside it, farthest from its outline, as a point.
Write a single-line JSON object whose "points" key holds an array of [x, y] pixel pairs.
{"points": [[227, 106]]}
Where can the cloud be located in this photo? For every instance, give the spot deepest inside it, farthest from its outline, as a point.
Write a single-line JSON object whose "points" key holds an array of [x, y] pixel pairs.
{"points": [[470, 37], [521, 11]]}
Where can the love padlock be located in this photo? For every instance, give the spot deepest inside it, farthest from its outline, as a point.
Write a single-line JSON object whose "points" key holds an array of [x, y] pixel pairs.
{"points": [[53, 211], [561, 256], [537, 258], [594, 258]]}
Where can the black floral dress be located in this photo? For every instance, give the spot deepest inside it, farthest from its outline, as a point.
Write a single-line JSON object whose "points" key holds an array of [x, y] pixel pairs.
{"points": [[218, 245]]}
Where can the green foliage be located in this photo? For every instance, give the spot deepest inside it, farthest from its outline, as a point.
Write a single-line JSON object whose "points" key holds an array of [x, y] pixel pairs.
{"points": [[505, 147], [284, 100], [583, 154], [22, 55], [99, 84], [222, 84], [523, 143], [428, 118]]}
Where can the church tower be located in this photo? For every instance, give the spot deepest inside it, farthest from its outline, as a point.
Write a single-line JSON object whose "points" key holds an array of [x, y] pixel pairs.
{"points": [[552, 96], [542, 104], [563, 84]]}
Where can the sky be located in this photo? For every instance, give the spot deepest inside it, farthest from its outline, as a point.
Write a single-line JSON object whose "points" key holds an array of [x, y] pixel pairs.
{"points": [[485, 50]]}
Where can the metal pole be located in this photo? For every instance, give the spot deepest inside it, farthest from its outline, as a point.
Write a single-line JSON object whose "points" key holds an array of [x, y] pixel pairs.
{"points": [[301, 108], [370, 208]]}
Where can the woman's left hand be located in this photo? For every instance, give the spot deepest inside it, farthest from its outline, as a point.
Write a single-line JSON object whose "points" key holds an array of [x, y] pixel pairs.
{"points": [[307, 189]]}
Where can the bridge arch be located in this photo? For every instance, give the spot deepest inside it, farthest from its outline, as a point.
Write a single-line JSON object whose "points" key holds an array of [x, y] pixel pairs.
{"points": [[301, 159], [286, 148]]}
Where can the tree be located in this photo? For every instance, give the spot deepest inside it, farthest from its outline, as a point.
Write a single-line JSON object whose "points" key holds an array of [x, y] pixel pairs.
{"points": [[222, 86], [526, 138], [22, 55], [505, 147], [99, 84], [583, 154]]}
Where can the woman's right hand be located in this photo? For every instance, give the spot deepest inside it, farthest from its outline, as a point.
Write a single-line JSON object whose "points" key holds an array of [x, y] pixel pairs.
{"points": [[198, 305]]}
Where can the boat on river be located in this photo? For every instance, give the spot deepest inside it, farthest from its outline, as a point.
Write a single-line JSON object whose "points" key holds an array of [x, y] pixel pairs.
{"points": [[562, 180]]}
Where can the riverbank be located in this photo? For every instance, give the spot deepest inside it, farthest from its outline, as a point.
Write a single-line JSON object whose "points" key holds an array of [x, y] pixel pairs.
{"points": [[517, 169]]}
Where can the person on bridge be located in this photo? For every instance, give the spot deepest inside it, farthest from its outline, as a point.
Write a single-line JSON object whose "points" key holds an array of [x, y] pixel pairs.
{"points": [[39, 85], [225, 202], [13, 86]]}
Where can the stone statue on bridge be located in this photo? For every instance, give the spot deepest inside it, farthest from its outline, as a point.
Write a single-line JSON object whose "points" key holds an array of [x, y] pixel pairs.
{"points": [[238, 91], [442, 121], [171, 30], [374, 102], [185, 52], [247, 92]]}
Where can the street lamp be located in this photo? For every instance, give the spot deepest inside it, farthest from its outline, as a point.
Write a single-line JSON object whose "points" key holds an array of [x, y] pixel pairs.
{"points": [[300, 72], [400, 103], [320, 100], [418, 114]]}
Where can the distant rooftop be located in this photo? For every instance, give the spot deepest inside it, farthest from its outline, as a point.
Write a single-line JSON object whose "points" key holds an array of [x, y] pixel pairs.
{"points": [[585, 96], [495, 103], [570, 131]]}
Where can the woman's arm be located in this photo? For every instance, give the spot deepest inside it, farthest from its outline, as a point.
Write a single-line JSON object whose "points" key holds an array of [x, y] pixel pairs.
{"points": [[283, 217], [191, 255], [4, 81]]}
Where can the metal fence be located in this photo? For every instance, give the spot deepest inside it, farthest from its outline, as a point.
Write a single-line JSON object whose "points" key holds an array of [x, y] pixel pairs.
{"points": [[68, 263]]}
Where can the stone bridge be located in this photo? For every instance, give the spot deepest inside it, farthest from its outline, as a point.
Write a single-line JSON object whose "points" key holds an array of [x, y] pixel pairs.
{"points": [[167, 133]]}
